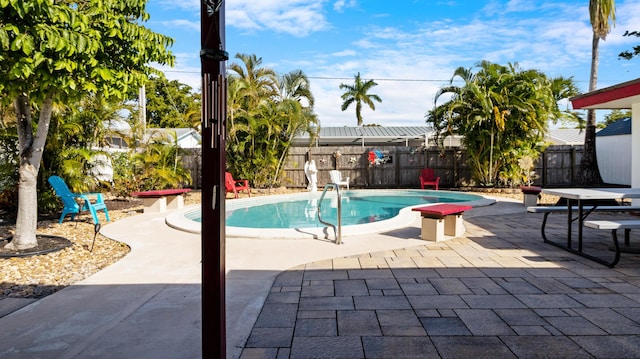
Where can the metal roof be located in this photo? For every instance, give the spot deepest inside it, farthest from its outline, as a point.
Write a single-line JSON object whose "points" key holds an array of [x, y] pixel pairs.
{"points": [[410, 136], [369, 135], [620, 127], [565, 136]]}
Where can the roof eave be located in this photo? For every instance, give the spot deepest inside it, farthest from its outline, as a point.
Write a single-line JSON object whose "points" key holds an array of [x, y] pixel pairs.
{"points": [[620, 96]]}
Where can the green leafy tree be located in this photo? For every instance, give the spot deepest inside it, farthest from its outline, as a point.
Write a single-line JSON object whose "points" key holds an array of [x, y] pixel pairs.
{"points": [[171, 104], [600, 12], [629, 54], [502, 113], [57, 52], [614, 116], [265, 113], [358, 93]]}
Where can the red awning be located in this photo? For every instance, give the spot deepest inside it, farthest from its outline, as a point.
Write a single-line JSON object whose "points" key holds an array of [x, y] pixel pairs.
{"points": [[620, 96]]}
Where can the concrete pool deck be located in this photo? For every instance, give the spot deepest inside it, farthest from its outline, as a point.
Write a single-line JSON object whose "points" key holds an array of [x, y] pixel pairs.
{"points": [[498, 291]]}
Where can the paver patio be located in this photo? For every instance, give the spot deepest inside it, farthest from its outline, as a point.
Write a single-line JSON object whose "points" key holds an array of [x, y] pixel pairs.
{"points": [[498, 292]]}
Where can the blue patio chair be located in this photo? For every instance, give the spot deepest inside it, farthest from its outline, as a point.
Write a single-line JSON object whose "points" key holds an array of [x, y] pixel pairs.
{"points": [[73, 206]]}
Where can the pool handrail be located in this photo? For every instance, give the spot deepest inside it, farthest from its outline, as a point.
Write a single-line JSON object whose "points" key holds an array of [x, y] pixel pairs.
{"points": [[337, 232]]}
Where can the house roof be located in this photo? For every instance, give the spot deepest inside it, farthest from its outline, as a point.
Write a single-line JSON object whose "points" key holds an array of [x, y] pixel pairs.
{"points": [[620, 127], [370, 135], [565, 136], [620, 96], [410, 136]]}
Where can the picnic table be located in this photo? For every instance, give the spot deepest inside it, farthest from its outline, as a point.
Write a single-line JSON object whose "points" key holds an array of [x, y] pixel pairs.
{"points": [[582, 200]]}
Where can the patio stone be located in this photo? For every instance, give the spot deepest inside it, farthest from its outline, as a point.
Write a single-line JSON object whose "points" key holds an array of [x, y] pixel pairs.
{"points": [[604, 300], [325, 274], [524, 330], [544, 347], [369, 274], [350, 287], [483, 322], [277, 315], [520, 288], [418, 288], [284, 353], [317, 291], [403, 331], [259, 353], [398, 347], [449, 286], [382, 302], [436, 301], [289, 279], [358, 323], [610, 320], [326, 303], [483, 286], [444, 326], [520, 317], [316, 314], [612, 346], [397, 318], [574, 326], [382, 283], [316, 328], [270, 338], [327, 347], [471, 348], [492, 301], [283, 297], [548, 301]]}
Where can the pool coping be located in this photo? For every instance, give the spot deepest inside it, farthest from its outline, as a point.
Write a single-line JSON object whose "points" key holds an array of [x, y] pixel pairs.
{"points": [[404, 219]]}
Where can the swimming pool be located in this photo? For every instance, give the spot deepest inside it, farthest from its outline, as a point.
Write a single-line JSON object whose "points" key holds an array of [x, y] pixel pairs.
{"points": [[295, 215]]}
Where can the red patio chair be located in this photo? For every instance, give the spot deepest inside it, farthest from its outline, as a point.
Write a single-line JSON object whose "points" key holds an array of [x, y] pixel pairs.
{"points": [[428, 178], [234, 186]]}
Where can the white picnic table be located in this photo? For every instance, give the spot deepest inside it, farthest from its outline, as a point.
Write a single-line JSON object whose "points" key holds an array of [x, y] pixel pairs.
{"points": [[578, 197]]}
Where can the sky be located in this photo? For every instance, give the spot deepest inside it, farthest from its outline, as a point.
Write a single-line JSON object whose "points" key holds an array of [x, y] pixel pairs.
{"points": [[410, 48]]}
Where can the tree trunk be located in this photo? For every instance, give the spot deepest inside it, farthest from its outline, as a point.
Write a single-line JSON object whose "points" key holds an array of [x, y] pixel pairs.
{"points": [[31, 149], [589, 175]]}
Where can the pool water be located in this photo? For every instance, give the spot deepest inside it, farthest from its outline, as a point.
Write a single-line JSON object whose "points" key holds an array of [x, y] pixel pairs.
{"points": [[358, 207]]}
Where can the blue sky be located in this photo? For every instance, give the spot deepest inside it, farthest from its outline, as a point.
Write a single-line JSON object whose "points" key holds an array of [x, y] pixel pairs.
{"points": [[409, 47]]}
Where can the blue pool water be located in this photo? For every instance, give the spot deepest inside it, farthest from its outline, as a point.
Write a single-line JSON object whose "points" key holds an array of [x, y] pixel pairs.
{"points": [[358, 207]]}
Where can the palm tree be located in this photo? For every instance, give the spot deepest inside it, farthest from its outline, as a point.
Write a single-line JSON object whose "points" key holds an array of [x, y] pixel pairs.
{"points": [[358, 93], [502, 113], [600, 12]]}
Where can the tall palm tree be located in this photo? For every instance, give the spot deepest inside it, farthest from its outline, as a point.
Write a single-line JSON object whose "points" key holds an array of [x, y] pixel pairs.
{"points": [[358, 94], [600, 11]]}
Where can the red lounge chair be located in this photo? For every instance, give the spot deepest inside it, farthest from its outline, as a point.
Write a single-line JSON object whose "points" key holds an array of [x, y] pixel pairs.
{"points": [[428, 177], [234, 186]]}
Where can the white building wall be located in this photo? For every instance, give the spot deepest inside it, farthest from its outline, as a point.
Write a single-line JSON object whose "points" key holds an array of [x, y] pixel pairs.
{"points": [[614, 159]]}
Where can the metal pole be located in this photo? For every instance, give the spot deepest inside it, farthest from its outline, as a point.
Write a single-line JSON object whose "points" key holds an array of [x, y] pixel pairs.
{"points": [[214, 99]]}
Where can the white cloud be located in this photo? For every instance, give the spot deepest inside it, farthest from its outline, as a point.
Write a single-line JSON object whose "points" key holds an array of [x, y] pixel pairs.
{"points": [[344, 53], [182, 24], [340, 5], [294, 17]]}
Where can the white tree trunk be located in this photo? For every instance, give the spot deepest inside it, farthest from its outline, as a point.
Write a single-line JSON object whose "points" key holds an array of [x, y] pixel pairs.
{"points": [[31, 148], [27, 220]]}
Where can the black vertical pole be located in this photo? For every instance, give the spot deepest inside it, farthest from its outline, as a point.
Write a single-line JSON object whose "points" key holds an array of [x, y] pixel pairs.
{"points": [[214, 99]]}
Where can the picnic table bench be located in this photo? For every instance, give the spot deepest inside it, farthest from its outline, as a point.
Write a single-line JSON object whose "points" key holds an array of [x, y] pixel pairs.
{"points": [[442, 219], [613, 226], [161, 200], [582, 213]]}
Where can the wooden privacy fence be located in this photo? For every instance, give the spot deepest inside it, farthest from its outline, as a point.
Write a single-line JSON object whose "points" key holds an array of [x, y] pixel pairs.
{"points": [[400, 166], [556, 167]]}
